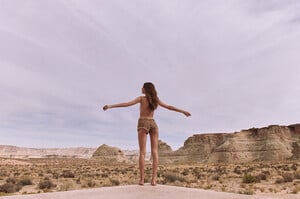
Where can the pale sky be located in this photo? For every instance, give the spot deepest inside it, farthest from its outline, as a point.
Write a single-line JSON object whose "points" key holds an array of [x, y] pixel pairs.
{"points": [[233, 64]]}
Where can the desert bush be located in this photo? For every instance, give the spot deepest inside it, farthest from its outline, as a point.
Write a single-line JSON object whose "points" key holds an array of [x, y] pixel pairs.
{"points": [[172, 177], [208, 186], [46, 184], [266, 172], [25, 181], [247, 192], [221, 170], [11, 180], [279, 180], [216, 177], [237, 170], [67, 174], [3, 173], [250, 169], [185, 172], [294, 167], [10, 188], [66, 185], [296, 189], [91, 183], [297, 175], [248, 178], [55, 175], [104, 175], [261, 176], [115, 182], [288, 177]]}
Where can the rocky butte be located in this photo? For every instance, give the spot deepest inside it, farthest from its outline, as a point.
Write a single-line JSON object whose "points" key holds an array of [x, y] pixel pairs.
{"points": [[272, 143]]}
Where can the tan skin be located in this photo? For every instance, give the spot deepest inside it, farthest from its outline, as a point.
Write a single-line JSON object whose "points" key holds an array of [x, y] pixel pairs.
{"points": [[142, 133]]}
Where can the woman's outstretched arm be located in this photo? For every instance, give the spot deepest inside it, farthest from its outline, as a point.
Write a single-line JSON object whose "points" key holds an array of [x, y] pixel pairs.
{"points": [[173, 108], [125, 104]]}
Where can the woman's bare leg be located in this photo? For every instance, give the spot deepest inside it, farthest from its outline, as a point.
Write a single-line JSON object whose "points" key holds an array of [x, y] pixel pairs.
{"points": [[142, 136], [154, 153]]}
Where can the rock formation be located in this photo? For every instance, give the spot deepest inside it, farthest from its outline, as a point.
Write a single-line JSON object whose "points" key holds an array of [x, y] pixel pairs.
{"points": [[164, 150], [110, 154], [257, 144], [8, 151], [273, 143]]}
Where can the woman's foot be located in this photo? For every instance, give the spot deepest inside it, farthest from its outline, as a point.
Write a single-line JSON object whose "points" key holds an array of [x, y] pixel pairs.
{"points": [[141, 182], [153, 182]]}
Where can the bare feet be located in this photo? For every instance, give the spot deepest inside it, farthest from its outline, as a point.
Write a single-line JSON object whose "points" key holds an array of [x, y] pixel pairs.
{"points": [[141, 182], [153, 182]]}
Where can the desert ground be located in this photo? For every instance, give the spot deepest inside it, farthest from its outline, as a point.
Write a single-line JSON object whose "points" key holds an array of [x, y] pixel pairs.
{"points": [[33, 176]]}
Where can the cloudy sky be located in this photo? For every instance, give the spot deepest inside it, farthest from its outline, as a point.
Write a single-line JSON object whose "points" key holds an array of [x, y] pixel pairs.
{"points": [[233, 64]]}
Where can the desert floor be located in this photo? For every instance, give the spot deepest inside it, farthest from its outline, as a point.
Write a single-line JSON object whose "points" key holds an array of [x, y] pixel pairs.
{"points": [[35, 176]]}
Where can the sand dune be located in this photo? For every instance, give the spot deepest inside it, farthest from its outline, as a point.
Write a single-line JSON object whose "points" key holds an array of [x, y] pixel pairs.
{"points": [[146, 192]]}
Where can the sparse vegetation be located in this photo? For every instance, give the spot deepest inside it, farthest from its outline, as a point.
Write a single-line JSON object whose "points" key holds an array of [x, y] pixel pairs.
{"points": [[115, 182], [25, 181], [248, 178], [67, 174], [44, 175], [172, 177], [9, 188], [287, 177], [46, 184]]}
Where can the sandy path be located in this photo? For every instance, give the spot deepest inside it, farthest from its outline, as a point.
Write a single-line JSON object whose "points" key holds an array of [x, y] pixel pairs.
{"points": [[146, 192]]}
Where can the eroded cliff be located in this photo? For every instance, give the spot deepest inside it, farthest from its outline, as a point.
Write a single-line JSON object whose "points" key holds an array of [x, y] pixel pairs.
{"points": [[257, 144]]}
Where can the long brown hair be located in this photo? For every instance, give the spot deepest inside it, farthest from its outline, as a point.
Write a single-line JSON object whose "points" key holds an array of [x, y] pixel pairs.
{"points": [[151, 95]]}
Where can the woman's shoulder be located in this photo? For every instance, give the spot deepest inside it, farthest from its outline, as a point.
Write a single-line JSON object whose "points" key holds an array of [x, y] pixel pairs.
{"points": [[141, 98]]}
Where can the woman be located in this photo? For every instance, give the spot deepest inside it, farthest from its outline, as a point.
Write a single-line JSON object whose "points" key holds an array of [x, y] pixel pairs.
{"points": [[146, 124]]}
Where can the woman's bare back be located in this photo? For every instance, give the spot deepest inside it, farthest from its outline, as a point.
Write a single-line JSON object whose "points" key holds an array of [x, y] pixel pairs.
{"points": [[145, 111]]}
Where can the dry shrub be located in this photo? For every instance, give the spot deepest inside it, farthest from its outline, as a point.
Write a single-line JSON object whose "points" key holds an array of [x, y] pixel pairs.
{"points": [[3, 173], [247, 192], [88, 183], [115, 182], [67, 174], [248, 178], [172, 177], [11, 180], [216, 177], [46, 184], [261, 176], [279, 180], [237, 170], [66, 185], [297, 175], [296, 189], [185, 172], [288, 177], [25, 181], [294, 167], [10, 188]]}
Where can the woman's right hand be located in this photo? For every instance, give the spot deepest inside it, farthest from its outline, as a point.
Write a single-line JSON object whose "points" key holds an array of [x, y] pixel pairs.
{"points": [[105, 107]]}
